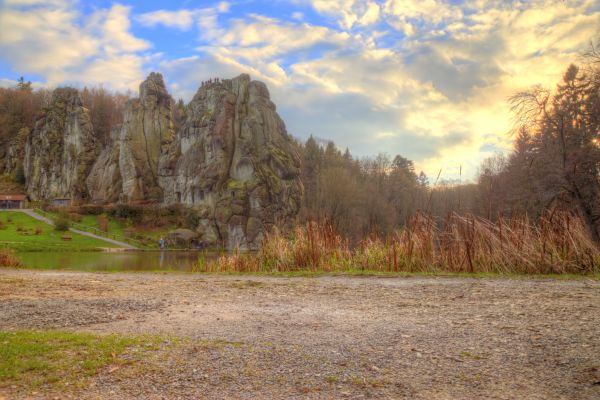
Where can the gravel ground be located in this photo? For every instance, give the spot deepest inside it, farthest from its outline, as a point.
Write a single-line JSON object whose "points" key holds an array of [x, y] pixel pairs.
{"points": [[327, 337]]}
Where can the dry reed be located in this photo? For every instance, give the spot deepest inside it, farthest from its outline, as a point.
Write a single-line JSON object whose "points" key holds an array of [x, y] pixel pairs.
{"points": [[558, 244], [7, 259]]}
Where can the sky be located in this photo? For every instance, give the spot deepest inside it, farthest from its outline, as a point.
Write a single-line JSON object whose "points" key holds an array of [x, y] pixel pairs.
{"points": [[427, 79]]}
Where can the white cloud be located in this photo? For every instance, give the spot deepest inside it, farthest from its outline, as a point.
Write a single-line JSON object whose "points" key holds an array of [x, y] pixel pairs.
{"points": [[63, 46], [349, 13], [425, 79], [58, 3], [180, 19], [183, 19]]}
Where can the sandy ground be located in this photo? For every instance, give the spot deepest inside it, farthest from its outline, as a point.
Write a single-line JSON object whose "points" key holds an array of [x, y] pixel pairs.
{"points": [[328, 337]]}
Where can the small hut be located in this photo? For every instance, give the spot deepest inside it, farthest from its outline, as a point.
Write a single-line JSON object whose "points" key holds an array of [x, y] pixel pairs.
{"points": [[12, 201], [61, 202]]}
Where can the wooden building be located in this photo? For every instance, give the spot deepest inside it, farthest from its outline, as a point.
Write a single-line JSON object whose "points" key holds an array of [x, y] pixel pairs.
{"points": [[12, 201], [61, 202]]}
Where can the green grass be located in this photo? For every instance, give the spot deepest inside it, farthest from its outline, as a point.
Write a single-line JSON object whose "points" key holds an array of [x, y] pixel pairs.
{"points": [[114, 226], [32, 359], [47, 240], [145, 238]]}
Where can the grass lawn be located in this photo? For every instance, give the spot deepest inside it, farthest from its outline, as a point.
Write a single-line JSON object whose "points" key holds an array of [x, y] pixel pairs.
{"points": [[19, 233], [146, 237], [34, 359]]}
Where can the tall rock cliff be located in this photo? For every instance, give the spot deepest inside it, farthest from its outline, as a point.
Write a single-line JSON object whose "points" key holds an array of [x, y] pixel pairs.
{"points": [[127, 169], [61, 149], [146, 129], [233, 162], [104, 182]]}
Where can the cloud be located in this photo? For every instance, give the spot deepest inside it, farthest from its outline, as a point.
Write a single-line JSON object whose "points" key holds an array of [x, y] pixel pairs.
{"points": [[180, 19], [183, 19], [426, 79], [349, 13], [411, 16], [55, 41]]}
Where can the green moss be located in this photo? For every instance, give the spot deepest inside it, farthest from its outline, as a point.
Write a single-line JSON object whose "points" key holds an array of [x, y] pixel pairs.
{"points": [[234, 184]]}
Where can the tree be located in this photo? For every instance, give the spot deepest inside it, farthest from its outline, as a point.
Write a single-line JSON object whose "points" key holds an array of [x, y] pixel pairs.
{"points": [[24, 86], [564, 154]]}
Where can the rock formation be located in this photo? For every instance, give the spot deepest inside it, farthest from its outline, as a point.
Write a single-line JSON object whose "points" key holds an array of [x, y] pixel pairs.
{"points": [[233, 162], [60, 151], [127, 169], [104, 182]]}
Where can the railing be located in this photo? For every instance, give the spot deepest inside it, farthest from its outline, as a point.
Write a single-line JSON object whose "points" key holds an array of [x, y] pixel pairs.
{"points": [[95, 231]]}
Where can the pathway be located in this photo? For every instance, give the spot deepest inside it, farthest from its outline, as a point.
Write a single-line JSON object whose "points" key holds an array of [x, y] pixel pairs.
{"points": [[48, 221]]}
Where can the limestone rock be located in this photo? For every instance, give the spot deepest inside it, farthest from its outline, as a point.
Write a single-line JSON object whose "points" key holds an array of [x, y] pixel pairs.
{"points": [[233, 160], [60, 151], [182, 238], [13, 154], [147, 128], [104, 182]]}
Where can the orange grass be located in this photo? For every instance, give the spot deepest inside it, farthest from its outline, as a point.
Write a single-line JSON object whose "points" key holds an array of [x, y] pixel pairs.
{"points": [[558, 244], [7, 259]]}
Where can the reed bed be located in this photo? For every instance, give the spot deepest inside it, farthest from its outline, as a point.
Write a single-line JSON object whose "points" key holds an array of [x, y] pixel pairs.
{"points": [[558, 244], [7, 259]]}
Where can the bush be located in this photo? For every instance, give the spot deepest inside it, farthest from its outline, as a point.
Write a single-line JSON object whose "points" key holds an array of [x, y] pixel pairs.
{"points": [[91, 210], [127, 211], [102, 223], [62, 224], [192, 220], [7, 259], [75, 217]]}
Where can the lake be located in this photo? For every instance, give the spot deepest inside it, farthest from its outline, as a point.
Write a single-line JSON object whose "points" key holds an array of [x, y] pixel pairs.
{"points": [[115, 261]]}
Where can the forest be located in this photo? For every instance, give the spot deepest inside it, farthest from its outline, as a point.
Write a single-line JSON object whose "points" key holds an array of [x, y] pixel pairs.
{"points": [[554, 163]]}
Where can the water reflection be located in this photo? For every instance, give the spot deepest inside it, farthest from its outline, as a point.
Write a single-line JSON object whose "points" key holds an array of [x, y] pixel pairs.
{"points": [[124, 261]]}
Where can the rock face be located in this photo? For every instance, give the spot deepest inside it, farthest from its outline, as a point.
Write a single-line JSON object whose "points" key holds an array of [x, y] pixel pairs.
{"points": [[147, 127], [127, 169], [60, 151], [104, 182], [233, 162]]}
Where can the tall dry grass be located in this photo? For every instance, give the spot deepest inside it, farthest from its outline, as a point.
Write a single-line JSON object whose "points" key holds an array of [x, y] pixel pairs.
{"points": [[558, 244], [7, 259]]}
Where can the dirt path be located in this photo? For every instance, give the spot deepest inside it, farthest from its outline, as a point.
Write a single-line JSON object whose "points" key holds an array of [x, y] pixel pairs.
{"points": [[330, 337]]}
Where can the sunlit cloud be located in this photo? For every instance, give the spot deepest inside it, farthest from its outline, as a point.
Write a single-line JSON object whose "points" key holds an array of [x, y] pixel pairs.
{"points": [[426, 79]]}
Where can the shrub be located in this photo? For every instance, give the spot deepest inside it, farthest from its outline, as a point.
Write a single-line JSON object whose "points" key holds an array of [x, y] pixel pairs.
{"points": [[75, 217], [62, 224], [102, 223], [127, 211], [192, 219], [7, 259], [39, 230], [90, 209]]}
